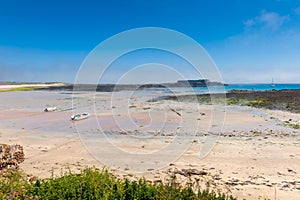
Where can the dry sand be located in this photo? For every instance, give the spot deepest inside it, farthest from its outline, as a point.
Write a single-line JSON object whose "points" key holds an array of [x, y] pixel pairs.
{"points": [[255, 156]]}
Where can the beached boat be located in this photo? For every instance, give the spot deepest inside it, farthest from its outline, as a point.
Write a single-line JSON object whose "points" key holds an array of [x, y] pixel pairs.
{"points": [[50, 109], [80, 116]]}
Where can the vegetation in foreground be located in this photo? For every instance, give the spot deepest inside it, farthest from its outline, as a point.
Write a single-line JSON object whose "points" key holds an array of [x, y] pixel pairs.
{"points": [[95, 184]]}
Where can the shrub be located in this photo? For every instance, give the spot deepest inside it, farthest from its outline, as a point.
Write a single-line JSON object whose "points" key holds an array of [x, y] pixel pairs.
{"points": [[96, 184]]}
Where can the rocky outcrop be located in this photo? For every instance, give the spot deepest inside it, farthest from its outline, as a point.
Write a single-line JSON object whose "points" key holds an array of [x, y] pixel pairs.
{"points": [[11, 156]]}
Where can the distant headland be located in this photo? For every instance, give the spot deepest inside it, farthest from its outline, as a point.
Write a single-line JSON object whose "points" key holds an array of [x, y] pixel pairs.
{"points": [[119, 87]]}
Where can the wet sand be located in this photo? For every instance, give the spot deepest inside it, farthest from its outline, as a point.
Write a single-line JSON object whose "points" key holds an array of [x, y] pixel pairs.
{"points": [[256, 155]]}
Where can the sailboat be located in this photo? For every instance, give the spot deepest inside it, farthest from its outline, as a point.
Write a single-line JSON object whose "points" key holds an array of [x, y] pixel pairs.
{"points": [[272, 84]]}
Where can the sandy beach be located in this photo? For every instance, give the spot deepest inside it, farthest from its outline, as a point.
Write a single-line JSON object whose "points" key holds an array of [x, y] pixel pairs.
{"points": [[254, 155], [4, 87]]}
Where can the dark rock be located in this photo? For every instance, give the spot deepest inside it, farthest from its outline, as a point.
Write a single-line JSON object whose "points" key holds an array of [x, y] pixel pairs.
{"points": [[189, 172], [11, 156], [291, 171]]}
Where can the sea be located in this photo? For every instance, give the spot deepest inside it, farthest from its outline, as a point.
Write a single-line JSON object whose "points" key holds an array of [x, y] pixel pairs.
{"points": [[228, 88]]}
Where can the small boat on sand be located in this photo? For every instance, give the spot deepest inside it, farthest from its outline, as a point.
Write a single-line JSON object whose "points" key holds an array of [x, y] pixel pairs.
{"points": [[50, 109], [80, 116]]}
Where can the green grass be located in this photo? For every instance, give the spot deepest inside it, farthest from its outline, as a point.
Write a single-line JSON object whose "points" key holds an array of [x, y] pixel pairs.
{"points": [[96, 184], [233, 101], [19, 89], [293, 126], [259, 103], [249, 102]]}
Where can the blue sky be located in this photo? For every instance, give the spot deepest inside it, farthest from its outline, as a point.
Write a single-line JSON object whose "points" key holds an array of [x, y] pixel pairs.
{"points": [[249, 40]]}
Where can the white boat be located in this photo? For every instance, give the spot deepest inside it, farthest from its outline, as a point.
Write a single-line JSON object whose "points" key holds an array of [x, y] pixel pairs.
{"points": [[272, 84], [50, 109], [80, 116]]}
